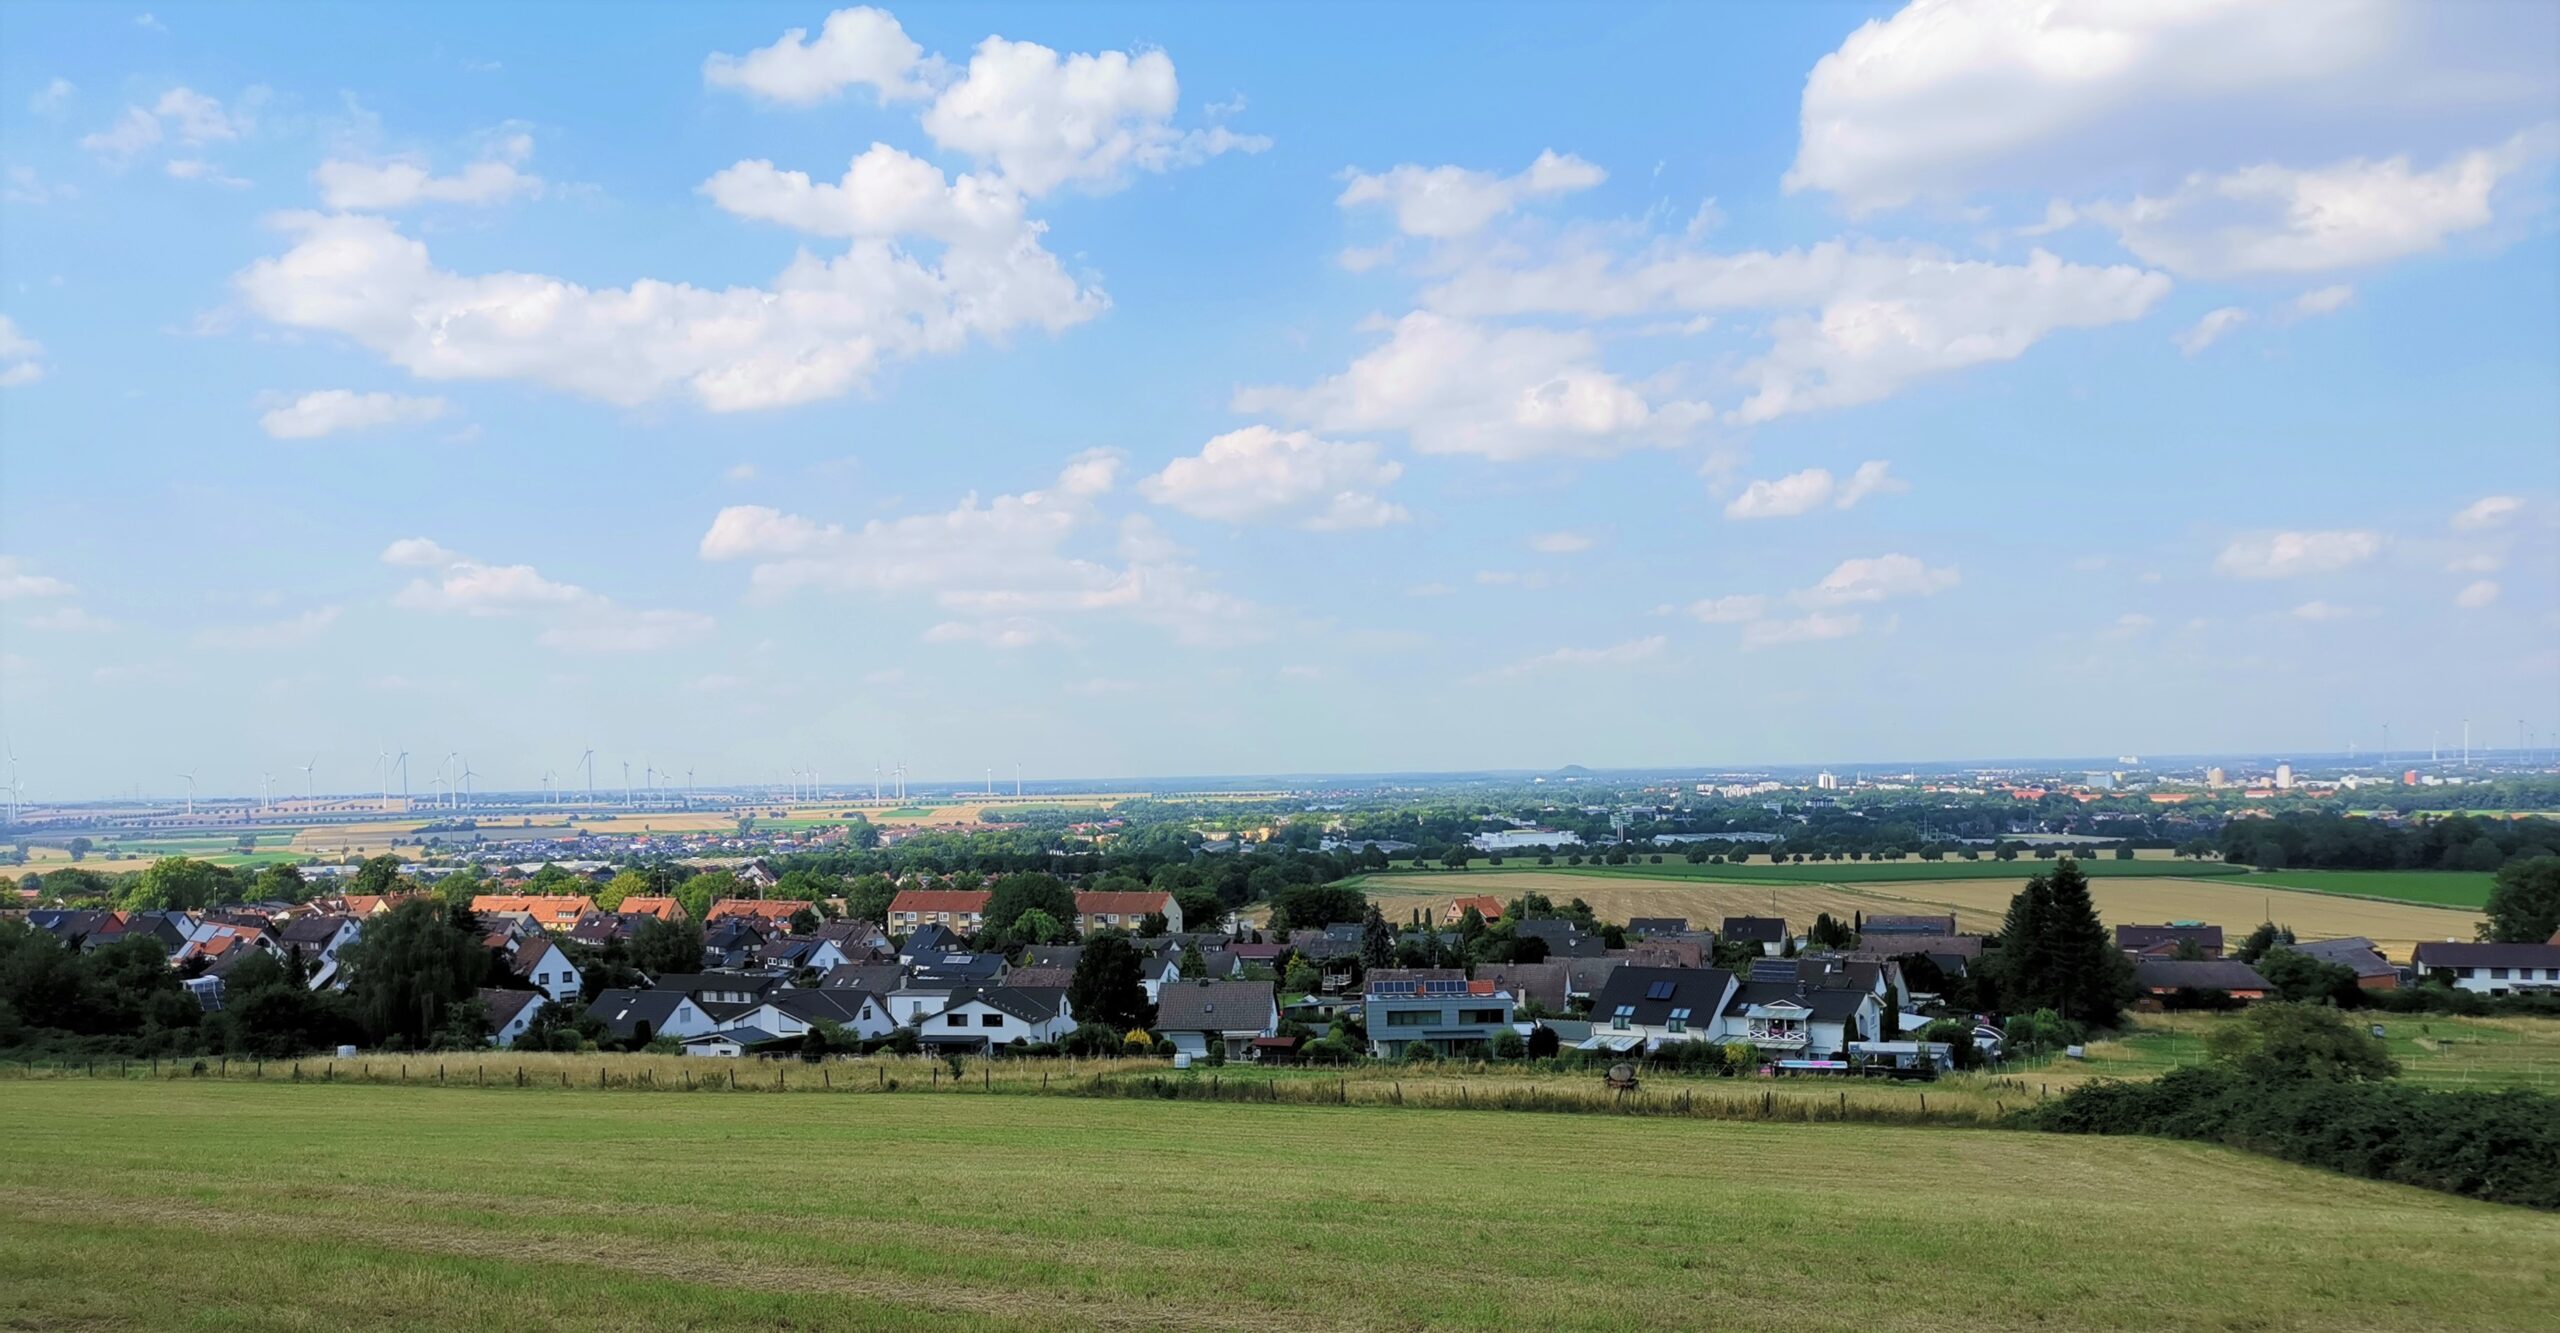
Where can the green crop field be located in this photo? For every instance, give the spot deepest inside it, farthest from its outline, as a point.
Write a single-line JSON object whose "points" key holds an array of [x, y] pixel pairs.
{"points": [[2434, 1050], [333, 1206], [2438, 888]]}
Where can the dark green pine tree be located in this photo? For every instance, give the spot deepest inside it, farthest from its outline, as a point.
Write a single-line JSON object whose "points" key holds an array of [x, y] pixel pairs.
{"points": [[2091, 976], [2025, 968]]}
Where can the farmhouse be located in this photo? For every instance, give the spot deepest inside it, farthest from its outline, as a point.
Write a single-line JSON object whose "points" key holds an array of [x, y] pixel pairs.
{"points": [[2373, 971], [2490, 969], [2163, 978], [2166, 941]]}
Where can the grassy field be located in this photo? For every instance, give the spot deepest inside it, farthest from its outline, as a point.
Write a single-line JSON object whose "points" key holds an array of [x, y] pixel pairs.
{"points": [[466, 1209], [2235, 903], [2434, 1050], [2443, 888], [1858, 872]]}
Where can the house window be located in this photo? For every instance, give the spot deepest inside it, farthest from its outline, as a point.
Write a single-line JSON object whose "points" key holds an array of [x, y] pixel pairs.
{"points": [[1679, 1020], [1483, 1016], [991, 1020], [1620, 1019], [955, 1020], [2497, 974], [1412, 1018]]}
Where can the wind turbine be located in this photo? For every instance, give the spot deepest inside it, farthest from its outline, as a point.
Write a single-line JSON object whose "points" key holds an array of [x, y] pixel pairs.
{"points": [[306, 776], [191, 791], [403, 763], [626, 782], [382, 762], [447, 767], [467, 776], [13, 783], [589, 759], [266, 792], [688, 787], [875, 782]]}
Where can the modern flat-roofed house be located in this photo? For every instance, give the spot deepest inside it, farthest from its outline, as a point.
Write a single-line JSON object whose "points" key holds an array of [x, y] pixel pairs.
{"points": [[2373, 971], [1645, 1007], [952, 909], [1435, 1007], [1226, 1016], [2161, 978], [2490, 969], [2165, 941], [1098, 911], [1769, 932]]}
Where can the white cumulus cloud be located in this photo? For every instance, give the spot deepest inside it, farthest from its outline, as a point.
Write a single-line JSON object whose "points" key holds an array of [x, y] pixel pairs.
{"points": [[2278, 555], [1262, 475], [573, 618], [329, 411], [1446, 202], [1803, 492], [2488, 511], [2477, 594]]}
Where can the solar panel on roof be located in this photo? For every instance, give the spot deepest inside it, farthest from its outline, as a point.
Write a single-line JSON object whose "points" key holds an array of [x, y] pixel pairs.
{"points": [[1773, 969], [1660, 990]]}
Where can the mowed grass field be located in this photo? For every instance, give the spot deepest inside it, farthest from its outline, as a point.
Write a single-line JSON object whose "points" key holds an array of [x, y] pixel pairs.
{"points": [[2236, 904], [333, 1206], [2434, 1050]]}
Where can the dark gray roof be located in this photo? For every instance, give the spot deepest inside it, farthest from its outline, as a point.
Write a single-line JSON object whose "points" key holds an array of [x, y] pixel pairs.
{"points": [[622, 1011], [693, 983], [1543, 982], [880, 978], [2141, 939], [833, 1006], [1024, 1002], [2455, 953], [1828, 1006], [1651, 993], [1755, 929], [2354, 951], [2227, 974], [1658, 925], [1053, 955], [1215, 1006], [312, 929], [504, 1005], [1907, 925]]}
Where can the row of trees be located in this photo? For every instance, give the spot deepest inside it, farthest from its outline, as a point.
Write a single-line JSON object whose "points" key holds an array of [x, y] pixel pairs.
{"points": [[2318, 840]]}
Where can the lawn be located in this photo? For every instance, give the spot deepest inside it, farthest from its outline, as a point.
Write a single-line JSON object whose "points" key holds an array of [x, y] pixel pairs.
{"points": [[2441, 888], [333, 1206]]}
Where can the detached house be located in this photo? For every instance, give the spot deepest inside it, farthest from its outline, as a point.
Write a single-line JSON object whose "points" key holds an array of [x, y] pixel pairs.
{"points": [[1436, 1007], [1768, 932], [320, 939], [649, 1014], [1645, 1007], [510, 1013], [2490, 969], [2167, 940], [774, 913], [1226, 1016], [998, 1016], [541, 965], [555, 911], [1796, 1022]]}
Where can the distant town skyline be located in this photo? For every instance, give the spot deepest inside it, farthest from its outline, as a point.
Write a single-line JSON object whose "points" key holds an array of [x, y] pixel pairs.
{"points": [[1205, 390]]}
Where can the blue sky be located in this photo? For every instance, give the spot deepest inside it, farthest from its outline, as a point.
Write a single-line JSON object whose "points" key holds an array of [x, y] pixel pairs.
{"points": [[1169, 389]]}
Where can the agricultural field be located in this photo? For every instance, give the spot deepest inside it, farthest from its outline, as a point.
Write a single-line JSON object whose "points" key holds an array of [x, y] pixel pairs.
{"points": [[2235, 903], [1882, 872], [2442, 888], [385, 1212], [2434, 1050]]}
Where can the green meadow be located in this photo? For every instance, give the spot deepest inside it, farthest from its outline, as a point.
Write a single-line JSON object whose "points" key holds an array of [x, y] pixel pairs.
{"points": [[228, 1204], [2435, 888]]}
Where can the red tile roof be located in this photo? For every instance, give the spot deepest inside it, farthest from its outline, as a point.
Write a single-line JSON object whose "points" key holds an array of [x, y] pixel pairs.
{"points": [[956, 901], [1137, 903], [761, 909]]}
